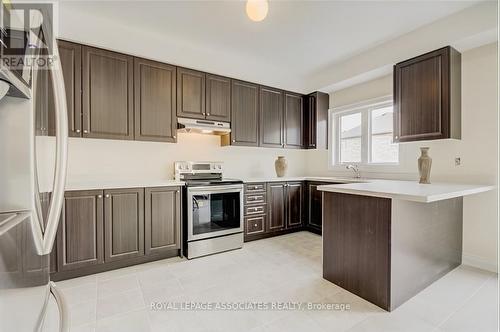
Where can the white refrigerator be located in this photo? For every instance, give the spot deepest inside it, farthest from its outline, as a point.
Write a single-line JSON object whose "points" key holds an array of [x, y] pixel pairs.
{"points": [[32, 180]]}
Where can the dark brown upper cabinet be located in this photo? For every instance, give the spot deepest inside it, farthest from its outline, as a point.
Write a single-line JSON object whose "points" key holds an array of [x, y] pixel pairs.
{"points": [[80, 233], [190, 93], [316, 120], [244, 114], [123, 224], [155, 101], [41, 82], [71, 64], [294, 120], [271, 117], [70, 55], [218, 98], [108, 94], [427, 96], [162, 219]]}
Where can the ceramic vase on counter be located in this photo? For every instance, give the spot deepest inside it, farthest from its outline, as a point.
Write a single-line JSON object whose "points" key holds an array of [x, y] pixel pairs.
{"points": [[424, 166], [280, 165]]}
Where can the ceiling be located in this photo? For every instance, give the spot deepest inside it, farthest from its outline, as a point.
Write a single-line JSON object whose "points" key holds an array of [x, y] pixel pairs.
{"points": [[298, 37]]}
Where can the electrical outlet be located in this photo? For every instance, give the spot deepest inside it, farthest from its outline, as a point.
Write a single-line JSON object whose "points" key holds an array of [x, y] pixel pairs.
{"points": [[458, 162]]}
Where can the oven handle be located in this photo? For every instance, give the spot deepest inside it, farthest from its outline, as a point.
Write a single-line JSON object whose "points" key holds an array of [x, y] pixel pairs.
{"points": [[215, 189]]}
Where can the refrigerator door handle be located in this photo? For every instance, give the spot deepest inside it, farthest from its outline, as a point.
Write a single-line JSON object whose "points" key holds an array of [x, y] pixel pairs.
{"points": [[62, 306], [46, 240]]}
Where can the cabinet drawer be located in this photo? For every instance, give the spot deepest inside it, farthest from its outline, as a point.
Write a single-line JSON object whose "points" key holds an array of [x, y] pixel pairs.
{"points": [[255, 199], [259, 209], [255, 188], [255, 225]]}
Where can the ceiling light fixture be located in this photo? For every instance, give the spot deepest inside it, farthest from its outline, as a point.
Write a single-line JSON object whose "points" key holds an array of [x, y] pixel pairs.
{"points": [[257, 9]]}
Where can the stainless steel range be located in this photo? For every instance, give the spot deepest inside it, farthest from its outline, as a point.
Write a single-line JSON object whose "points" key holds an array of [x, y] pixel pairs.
{"points": [[213, 208]]}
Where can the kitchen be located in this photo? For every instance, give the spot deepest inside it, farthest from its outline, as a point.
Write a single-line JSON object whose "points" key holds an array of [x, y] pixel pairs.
{"points": [[123, 237]]}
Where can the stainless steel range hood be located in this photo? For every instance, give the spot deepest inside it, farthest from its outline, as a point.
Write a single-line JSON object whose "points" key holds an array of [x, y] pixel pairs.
{"points": [[186, 125]]}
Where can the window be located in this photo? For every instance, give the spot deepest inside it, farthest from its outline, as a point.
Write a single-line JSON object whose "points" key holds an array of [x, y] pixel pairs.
{"points": [[362, 134]]}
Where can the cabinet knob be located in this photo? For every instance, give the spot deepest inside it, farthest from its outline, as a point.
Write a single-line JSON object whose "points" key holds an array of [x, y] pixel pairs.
{"points": [[107, 196], [254, 225], [99, 196], [174, 136], [85, 131], [234, 141], [208, 114], [77, 131]]}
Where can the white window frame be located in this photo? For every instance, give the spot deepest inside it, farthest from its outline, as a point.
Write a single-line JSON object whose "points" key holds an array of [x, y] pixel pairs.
{"points": [[365, 109]]}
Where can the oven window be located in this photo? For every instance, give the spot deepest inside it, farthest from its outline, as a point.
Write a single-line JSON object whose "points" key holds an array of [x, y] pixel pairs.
{"points": [[215, 212]]}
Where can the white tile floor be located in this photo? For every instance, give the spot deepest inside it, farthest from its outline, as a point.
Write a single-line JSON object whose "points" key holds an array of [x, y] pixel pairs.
{"points": [[285, 268]]}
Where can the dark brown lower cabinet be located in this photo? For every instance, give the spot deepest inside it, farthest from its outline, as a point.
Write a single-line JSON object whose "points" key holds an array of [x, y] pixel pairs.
{"points": [[276, 201], [45, 205], [162, 219], [123, 224], [102, 230], [285, 201], [314, 214], [294, 204], [80, 233]]}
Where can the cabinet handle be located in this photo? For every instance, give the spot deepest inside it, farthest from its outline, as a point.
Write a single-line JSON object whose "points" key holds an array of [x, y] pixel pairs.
{"points": [[85, 131], [174, 136], [234, 141], [208, 114], [254, 225], [99, 196], [77, 131], [107, 196]]}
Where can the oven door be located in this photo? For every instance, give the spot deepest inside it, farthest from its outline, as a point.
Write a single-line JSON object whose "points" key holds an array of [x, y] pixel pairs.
{"points": [[214, 211]]}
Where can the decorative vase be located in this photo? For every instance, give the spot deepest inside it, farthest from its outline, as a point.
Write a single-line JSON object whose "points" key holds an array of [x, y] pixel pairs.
{"points": [[280, 165], [424, 166]]}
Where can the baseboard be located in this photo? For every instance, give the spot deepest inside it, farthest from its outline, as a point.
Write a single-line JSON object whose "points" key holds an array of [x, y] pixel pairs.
{"points": [[479, 262]]}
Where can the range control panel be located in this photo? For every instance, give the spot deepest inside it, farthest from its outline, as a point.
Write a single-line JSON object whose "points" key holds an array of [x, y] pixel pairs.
{"points": [[196, 167]]}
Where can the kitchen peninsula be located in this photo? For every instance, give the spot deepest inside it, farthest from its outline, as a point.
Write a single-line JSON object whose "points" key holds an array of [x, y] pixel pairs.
{"points": [[385, 240]]}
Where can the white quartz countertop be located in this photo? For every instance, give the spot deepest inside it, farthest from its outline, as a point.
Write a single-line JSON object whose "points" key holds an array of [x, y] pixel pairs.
{"points": [[407, 190], [304, 178], [108, 183], [120, 183]]}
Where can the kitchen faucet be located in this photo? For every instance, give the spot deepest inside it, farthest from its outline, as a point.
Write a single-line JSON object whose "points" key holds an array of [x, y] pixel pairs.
{"points": [[355, 169]]}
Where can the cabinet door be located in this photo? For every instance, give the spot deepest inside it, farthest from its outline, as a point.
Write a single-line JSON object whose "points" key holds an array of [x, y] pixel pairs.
{"points": [[45, 206], [244, 114], [155, 101], [41, 82], [310, 116], [421, 97], [294, 121], [295, 201], [108, 110], [71, 64], [163, 219], [271, 117], [80, 234], [314, 206], [276, 205], [123, 224], [218, 106], [190, 93]]}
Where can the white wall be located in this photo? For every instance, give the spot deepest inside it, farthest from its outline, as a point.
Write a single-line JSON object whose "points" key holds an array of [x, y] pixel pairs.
{"points": [[93, 158], [478, 150]]}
